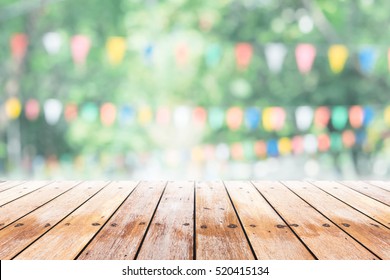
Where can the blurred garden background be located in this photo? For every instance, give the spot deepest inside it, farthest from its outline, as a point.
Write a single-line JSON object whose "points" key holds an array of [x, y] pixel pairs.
{"points": [[180, 89]]}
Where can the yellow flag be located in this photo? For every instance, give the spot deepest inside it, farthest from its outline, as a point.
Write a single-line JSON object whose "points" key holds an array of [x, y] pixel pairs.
{"points": [[13, 108], [387, 115], [284, 146], [338, 55], [267, 119], [145, 115], [116, 47]]}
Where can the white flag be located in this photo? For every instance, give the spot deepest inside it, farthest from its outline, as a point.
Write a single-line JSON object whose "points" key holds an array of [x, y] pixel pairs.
{"points": [[52, 42], [52, 109], [275, 54], [304, 117]]}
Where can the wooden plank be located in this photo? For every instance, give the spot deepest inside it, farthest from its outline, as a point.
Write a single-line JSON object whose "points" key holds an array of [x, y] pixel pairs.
{"points": [[365, 230], [170, 235], [369, 190], [219, 234], [24, 205], [385, 185], [20, 234], [20, 190], [376, 210], [324, 241], [121, 237], [9, 184], [67, 239], [268, 234]]}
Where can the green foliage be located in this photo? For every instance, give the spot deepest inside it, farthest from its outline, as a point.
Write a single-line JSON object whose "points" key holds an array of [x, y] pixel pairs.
{"points": [[199, 24]]}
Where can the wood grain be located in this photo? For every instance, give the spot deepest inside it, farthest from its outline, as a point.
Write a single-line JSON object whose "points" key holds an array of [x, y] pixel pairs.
{"points": [[21, 233], [67, 239], [24, 205], [219, 234], [121, 237], [369, 190], [170, 235], [20, 190], [374, 209], [267, 232], [372, 235], [9, 184], [326, 242]]}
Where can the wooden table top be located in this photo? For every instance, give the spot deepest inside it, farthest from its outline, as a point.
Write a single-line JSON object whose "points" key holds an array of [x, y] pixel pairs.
{"points": [[195, 220]]}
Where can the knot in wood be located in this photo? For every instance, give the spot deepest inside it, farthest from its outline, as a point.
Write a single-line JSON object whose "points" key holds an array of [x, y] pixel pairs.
{"points": [[203, 226], [96, 224], [232, 226], [19, 225], [346, 225], [326, 225], [280, 226]]}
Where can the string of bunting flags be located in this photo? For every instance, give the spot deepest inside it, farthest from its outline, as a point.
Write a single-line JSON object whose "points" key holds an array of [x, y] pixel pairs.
{"points": [[271, 119], [351, 125], [275, 53]]}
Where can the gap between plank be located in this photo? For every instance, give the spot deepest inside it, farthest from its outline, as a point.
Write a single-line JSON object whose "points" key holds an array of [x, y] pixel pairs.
{"points": [[194, 226], [341, 183], [368, 182], [239, 220], [351, 205], [61, 220], [292, 230], [331, 219], [109, 218], [12, 186], [45, 184], [150, 222], [41, 205]]}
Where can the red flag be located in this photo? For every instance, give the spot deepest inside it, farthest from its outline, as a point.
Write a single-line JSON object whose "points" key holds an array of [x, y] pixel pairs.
{"points": [[18, 44], [244, 53], [71, 112]]}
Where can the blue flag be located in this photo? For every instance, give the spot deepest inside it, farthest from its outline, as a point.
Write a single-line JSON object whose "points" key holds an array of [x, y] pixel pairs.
{"points": [[367, 60], [252, 118]]}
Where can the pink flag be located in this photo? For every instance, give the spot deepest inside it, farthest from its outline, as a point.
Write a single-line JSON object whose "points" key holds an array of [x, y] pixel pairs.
{"points": [[32, 109], [305, 55], [18, 44], [181, 54], [80, 46], [243, 55]]}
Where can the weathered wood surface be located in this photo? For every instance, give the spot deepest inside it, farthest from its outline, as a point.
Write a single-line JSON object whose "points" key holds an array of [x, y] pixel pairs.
{"points": [[219, 234], [28, 203], [73, 233], [23, 232], [368, 232], [20, 190], [267, 232], [369, 190], [323, 239], [121, 237], [170, 235], [194, 220], [372, 208]]}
